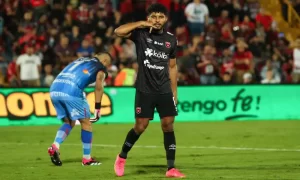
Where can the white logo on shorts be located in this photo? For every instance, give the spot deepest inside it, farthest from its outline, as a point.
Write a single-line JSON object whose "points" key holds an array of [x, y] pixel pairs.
{"points": [[74, 112]]}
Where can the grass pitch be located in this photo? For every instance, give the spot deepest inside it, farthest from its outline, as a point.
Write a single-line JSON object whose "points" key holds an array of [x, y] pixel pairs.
{"points": [[256, 150]]}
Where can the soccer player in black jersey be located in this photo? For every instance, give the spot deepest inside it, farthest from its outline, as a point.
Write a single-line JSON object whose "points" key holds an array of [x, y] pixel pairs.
{"points": [[156, 83]]}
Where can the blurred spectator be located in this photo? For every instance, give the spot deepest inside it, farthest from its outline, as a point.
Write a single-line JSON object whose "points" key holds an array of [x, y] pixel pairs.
{"points": [[270, 78], [269, 73], [116, 48], [57, 13], [75, 38], [197, 17], [206, 39], [181, 33], [247, 78], [226, 65], [86, 49], [177, 16], [256, 45], [287, 69], [296, 64], [64, 51], [100, 24], [242, 61], [2, 77], [223, 19], [227, 78], [29, 68], [212, 35], [227, 37], [49, 77], [254, 7], [264, 19], [126, 76], [39, 8], [194, 47], [12, 74], [99, 45], [129, 48], [207, 66]]}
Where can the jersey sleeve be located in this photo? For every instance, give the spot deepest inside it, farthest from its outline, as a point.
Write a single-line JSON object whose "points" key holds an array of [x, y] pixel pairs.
{"points": [[174, 49], [135, 35]]}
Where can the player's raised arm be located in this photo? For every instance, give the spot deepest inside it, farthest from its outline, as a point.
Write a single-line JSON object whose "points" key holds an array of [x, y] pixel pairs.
{"points": [[173, 77], [126, 29], [99, 90]]}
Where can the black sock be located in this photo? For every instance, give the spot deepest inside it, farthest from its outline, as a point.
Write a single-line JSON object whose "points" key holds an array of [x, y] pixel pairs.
{"points": [[170, 147], [131, 138]]}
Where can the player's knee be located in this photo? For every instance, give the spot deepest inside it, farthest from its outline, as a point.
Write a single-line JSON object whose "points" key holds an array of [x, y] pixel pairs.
{"points": [[167, 127], [86, 125], [167, 124], [73, 123], [68, 121], [140, 128]]}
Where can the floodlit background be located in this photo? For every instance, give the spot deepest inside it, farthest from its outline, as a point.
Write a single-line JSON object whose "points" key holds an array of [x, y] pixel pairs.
{"points": [[236, 121]]}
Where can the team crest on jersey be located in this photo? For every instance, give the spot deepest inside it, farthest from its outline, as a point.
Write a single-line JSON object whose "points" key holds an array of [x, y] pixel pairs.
{"points": [[85, 71], [168, 44], [138, 110]]}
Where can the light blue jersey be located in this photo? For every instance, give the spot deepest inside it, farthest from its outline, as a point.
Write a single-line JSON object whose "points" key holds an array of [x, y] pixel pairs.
{"points": [[66, 90]]}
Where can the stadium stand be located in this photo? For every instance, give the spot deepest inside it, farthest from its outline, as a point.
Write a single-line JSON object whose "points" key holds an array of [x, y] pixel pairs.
{"points": [[239, 42]]}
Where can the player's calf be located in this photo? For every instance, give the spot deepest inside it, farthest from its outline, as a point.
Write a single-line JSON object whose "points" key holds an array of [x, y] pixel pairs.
{"points": [[133, 135], [62, 134]]}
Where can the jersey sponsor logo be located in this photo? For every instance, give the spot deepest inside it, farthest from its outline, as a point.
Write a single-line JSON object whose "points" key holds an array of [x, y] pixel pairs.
{"points": [[168, 44], [64, 81], [158, 43], [149, 40], [150, 66], [67, 75], [58, 94], [23, 105], [150, 52]]}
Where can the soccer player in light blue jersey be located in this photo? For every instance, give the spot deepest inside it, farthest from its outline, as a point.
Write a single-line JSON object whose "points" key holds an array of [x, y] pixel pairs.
{"points": [[68, 98]]}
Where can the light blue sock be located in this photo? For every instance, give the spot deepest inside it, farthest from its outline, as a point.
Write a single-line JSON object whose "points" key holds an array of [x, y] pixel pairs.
{"points": [[62, 134], [86, 138]]}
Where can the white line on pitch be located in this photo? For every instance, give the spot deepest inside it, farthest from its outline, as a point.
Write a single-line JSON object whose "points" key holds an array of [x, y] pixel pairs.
{"points": [[179, 147]]}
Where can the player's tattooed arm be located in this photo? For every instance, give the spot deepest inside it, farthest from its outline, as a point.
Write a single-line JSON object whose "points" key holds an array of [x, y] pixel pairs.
{"points": [[99, 88], [126, 29], [173, 77]]}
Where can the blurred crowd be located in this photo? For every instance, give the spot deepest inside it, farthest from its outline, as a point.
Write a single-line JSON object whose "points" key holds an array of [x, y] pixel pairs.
{"points": [[219, 41]]}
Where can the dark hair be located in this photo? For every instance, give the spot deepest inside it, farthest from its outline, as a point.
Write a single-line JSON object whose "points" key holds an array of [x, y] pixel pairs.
{"points": [[157, 8], [105, 52]]}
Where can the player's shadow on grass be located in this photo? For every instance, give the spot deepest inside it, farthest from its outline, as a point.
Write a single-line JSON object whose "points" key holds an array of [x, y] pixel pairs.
{"points": [[146, 169], [76, 160]]}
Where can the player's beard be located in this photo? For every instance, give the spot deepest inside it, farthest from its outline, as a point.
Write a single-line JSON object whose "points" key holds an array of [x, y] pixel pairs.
{"points": [[161, 28]]}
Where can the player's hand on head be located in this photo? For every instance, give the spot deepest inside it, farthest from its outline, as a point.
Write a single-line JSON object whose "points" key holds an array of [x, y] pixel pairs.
{"points": [[97, 116]]}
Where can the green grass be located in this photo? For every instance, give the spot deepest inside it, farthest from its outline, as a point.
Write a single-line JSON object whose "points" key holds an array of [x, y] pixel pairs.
{"points": [[24, 152]]}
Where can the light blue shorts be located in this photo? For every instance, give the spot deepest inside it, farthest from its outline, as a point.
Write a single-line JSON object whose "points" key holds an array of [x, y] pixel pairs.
{"points": [[74, 108]]}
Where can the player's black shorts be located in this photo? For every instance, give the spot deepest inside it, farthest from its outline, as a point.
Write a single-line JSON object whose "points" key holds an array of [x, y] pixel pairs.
{"points": [[146, 103]]}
